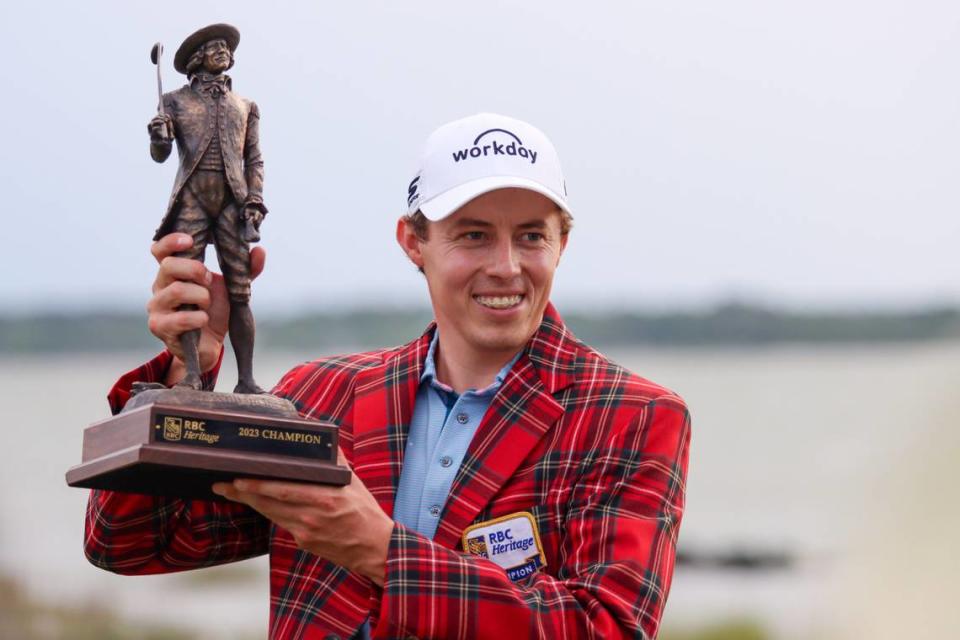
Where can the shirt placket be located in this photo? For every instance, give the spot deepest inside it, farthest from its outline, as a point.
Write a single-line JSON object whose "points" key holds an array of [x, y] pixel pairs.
{"points": [[443, 462]]}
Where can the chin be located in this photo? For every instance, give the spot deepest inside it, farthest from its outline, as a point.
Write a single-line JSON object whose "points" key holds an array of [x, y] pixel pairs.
{"points": [[502, 339]]}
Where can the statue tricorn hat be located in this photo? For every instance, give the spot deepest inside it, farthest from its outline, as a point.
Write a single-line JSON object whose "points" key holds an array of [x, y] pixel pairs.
{"points": [[193, 42]]}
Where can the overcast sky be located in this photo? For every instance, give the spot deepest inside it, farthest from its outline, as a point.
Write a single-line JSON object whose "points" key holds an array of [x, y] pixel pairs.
{"points": [[805, 154]]}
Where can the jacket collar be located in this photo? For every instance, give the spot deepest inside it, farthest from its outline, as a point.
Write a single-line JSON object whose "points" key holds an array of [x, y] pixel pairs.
{"points": [[552, 352], [521, 413]]}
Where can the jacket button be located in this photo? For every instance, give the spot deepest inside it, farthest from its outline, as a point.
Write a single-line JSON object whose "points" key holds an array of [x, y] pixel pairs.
{"points": [[462, 418], [446, 461], [435, 510]]}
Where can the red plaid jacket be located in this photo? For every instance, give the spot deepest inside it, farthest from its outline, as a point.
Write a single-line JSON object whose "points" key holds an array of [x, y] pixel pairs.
{"points": [[596, 454]]}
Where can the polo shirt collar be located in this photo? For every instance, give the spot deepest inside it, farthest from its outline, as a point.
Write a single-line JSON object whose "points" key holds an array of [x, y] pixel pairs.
{"points": [[429, 374]]}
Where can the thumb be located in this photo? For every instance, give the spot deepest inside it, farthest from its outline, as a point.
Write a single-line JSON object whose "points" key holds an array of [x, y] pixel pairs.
{"points": [[258, 257]]}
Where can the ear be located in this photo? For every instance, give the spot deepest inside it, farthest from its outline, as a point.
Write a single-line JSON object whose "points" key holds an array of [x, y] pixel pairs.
{"points": [[409, 242]]}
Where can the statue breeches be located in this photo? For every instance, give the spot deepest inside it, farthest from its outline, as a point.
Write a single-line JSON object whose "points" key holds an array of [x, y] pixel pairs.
{"points": [[207, 211]]}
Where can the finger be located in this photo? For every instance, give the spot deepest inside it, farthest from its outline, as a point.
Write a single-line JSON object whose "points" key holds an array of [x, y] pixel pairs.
{"points": [[169, 326], [282, 513], [296, 493], [178, 293], [174, 269], [170, 244], [258, 258]]}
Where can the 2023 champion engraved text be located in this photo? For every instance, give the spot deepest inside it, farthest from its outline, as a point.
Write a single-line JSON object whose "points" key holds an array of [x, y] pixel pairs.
{"points": [[183, 430]]}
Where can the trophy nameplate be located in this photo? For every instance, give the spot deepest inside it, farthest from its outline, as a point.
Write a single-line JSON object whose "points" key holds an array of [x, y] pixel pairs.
{"points": [[167, 448]]}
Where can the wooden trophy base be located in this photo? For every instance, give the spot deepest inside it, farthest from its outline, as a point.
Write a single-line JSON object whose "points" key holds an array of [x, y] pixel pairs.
{"points": [[177, 443]]}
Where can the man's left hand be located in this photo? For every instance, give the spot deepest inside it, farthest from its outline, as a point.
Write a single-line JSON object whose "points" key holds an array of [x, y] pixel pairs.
{"points": [[344, 525]]}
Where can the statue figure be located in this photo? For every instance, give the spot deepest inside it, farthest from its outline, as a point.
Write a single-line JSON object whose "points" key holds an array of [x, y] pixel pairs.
{"points": [[218, 192]]}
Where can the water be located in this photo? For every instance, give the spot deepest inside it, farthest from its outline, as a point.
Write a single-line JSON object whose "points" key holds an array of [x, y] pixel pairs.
{"points": [[844, 456]]}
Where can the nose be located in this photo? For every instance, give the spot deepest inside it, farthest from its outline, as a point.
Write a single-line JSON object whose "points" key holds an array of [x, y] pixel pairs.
{"points": [[503, 260]]}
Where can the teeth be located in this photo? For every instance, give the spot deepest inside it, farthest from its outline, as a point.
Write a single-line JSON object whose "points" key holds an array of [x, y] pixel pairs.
{"points": [[499, 302]]}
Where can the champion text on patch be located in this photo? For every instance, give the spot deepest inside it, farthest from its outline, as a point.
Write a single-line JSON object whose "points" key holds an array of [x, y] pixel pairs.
{"points": [[511, 541]]}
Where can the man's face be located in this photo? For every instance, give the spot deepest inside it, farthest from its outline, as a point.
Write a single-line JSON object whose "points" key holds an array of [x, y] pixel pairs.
{"points": [[489, 267], [216, 56]]}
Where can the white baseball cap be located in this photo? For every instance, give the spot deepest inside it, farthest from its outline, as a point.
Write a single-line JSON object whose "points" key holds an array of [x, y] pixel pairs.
{"points": [[477, 154]]}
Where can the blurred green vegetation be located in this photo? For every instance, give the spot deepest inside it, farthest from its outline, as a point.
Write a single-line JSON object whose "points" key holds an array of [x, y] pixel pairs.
{"points": [[28, 619], [730, 324], [728, 630]]}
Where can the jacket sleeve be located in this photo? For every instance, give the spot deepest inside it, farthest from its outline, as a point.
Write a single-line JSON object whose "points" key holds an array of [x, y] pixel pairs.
{"points": [[253, 160], [160, 151], [617, 555], [139, 534]]}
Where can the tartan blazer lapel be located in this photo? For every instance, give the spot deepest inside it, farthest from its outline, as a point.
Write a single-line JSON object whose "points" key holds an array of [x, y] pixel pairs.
{"points": [[521, 413], [383, 407]]}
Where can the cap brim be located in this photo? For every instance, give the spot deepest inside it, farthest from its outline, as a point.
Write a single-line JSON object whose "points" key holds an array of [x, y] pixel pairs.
{"points": [[439, 207]]}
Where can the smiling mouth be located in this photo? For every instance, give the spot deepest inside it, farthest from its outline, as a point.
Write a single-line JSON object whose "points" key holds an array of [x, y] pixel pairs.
{"points": [[499, 302]]}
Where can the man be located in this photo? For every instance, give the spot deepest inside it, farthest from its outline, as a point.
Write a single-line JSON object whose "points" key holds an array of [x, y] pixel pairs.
{"points": [[509, 481], [218, 190]]}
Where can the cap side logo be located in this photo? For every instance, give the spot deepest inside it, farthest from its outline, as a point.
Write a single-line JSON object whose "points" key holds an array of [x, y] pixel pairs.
{"points": [[512, 148], [412, 191]]}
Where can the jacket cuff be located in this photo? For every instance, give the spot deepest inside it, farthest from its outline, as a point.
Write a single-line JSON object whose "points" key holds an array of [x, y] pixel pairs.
{"points": [[154, 371], [410, 559]]}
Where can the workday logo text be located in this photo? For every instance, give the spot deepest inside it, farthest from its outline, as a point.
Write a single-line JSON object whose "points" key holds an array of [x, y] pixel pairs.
{"points": [[486, 144]]}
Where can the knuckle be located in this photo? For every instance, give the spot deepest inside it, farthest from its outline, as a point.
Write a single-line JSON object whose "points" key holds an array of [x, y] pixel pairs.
{"points": [[310, 521]]}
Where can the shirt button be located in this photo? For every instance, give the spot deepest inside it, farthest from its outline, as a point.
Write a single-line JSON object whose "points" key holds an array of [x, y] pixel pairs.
{"points": [[462, 418], [435, 510], [446, 461]]}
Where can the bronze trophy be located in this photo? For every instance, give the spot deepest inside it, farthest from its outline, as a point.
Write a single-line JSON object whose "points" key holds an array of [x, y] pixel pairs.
{"points": [[178, 442]]}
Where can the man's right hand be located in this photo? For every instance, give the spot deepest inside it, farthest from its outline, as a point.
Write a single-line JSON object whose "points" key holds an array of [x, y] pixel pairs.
{"points": [[183, 281], [161, 128]]}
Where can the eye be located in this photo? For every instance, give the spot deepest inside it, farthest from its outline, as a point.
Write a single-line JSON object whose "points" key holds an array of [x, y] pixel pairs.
{"points": [[473, 235], [532, 236]]}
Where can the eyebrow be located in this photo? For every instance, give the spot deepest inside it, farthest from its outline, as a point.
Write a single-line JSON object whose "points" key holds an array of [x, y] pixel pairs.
{"points": [[476, 222], [533, 224], [471, 222]]}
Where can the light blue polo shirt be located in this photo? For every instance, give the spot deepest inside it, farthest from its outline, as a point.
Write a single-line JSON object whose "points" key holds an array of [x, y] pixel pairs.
{"points": [[441, 429]]}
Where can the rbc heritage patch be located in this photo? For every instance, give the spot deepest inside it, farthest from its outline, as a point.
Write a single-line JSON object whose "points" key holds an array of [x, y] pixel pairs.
{"points": [[511, 541]]}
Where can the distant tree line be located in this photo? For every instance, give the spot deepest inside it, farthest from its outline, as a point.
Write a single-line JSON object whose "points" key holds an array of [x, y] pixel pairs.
{"points": [[731, 324]]}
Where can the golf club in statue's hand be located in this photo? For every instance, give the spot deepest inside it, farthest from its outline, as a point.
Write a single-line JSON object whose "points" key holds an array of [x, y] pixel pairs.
{"points": [[161, 126]]}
